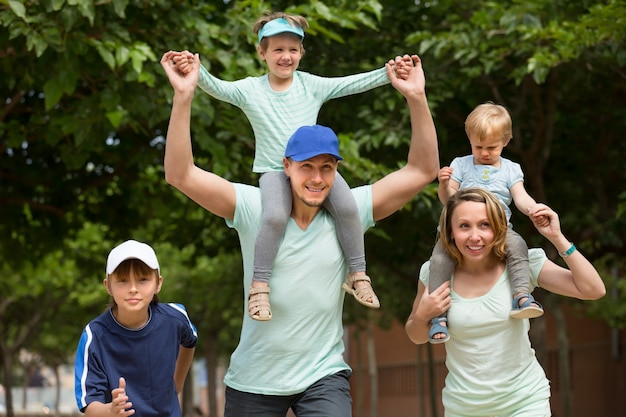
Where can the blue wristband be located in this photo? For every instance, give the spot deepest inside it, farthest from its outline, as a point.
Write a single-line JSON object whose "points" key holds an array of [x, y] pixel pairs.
{"points": [[569, 251]]}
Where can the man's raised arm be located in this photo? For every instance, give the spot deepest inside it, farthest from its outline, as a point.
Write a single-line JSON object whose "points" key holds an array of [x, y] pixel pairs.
{"points": [[394, 190], [212, 192]]}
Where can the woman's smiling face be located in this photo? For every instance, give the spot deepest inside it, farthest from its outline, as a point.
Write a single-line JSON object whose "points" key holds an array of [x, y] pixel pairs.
{"points": [[471, 231]]}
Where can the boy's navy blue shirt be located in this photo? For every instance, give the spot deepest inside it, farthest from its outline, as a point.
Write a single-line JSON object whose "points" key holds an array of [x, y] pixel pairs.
{"points": [[145, 357]]}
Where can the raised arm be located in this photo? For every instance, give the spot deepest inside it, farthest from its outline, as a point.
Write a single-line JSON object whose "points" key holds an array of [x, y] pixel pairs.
{"points": [[523, 201], [580, 280], [394, 190], [212, 192], [336, 87], [447, 186], [226, 91]]}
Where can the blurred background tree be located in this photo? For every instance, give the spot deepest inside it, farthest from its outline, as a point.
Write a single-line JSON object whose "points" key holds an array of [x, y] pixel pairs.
{"points": [[86, 107]]}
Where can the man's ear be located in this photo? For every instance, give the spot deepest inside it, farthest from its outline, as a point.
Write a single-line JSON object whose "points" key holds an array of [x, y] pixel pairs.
{"points": [[286, 165]]}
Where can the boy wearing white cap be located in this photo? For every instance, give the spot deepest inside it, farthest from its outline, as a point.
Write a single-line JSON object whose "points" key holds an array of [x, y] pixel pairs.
{"points": [[296, 360], [134, 357], [276, 104]]}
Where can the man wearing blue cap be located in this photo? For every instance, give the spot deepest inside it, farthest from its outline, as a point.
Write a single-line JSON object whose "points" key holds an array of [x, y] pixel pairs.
{"points": [[296, 359]]}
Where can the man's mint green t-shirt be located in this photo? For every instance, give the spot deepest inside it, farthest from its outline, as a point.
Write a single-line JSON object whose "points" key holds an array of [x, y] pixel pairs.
{"points": [[303, 342]]}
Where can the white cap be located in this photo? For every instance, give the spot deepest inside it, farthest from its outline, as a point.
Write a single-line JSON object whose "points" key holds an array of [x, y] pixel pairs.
{"points": [[131, 249]]}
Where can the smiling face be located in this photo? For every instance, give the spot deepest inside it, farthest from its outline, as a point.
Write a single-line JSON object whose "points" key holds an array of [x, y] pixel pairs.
{"points": [[133, 286], [473, 226], [311, 179], [282, 53], [472, 231]]}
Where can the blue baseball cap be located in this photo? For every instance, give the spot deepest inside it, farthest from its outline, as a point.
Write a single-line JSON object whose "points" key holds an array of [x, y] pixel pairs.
{"points": [[310, 141], [280, 25]]}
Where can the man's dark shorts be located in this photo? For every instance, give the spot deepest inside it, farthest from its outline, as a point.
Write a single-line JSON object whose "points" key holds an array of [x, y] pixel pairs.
{"points": [[328, 397]]}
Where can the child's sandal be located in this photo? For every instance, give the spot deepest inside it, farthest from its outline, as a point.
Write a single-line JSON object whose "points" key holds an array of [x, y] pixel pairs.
{"points": [[364, 292], [529, 309], [259, 304], [437, 327]]}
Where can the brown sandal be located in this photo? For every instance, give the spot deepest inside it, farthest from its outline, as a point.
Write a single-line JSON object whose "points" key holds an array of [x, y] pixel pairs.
{"points": [[363, 292], [259, 304]]}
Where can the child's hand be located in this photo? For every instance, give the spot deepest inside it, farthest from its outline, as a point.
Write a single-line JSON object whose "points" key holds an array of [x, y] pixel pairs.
{"points": [[414, 84], [444, 175], [120, 404], [545, 220], [182, 83], [185, 62], [540, 220], [401, 66]]}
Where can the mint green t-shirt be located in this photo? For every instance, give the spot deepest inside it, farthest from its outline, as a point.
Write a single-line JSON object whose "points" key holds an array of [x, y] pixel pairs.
{"points": [[492, 368], [303, 342], [276, 115]]}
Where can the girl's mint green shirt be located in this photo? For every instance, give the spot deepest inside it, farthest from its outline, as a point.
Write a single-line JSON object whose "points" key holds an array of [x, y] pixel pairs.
{"points": [[275, 116]]}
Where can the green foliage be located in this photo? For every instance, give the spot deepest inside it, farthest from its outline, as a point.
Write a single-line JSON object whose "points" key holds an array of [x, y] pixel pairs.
{"points": [[612, 308], [524, 38], [211, 289], [86, 107]]}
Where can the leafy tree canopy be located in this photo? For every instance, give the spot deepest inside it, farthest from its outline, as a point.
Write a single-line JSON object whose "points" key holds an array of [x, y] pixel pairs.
{"points": [[86, 107]]}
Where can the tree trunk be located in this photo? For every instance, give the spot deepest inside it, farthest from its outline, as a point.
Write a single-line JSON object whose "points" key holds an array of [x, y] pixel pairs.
{"points": [[431, 380], [210, 357], [24, 389], [564, 370], [359, 376], [187, 395], [373, 367], [8, 383], [420, 378], [57, 390], [537, 331]]}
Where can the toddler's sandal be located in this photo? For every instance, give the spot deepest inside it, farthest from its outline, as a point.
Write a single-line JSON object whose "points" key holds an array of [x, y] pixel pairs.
{"points": [[436, 327], [529, 309]]}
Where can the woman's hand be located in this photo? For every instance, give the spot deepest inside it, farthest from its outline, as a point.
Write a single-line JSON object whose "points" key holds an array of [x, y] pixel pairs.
{"points": [[546, 221]]}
